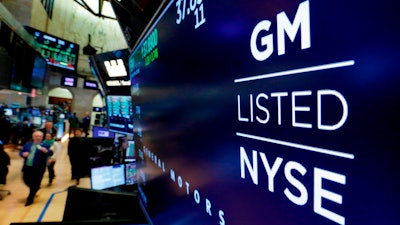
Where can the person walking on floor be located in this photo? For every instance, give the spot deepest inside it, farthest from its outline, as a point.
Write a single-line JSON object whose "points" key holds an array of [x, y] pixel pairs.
{"points": [[73, 123], [56, 148], [35, 154], [86, 124], [78, 156]]}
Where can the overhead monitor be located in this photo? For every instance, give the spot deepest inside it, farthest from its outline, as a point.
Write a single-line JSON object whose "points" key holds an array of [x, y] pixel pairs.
{"points": [[69, 81], [111, 71], [59, 53], [5, 68], [90, 84], [39, 72], [24, 58]]}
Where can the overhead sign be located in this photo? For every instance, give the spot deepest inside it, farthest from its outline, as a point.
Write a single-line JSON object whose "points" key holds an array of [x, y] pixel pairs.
{"points": [[110, 70], [69, 81], [115, 68], [90, 84], [117, 83]]}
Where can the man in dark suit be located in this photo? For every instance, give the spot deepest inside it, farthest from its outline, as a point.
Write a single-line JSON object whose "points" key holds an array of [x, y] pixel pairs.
{"points": [[49, 128], [86, 124], [4, 163], [35, 154]]}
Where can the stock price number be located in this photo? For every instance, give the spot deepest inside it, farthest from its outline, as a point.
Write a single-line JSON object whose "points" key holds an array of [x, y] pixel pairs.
{"points": [[185, 7]]}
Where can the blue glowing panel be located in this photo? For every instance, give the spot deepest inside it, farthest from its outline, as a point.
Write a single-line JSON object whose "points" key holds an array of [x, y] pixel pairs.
{"points": [[269, 112]]}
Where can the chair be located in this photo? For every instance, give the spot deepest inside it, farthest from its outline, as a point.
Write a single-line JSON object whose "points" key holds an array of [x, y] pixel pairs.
{"points": [[4, 162]]}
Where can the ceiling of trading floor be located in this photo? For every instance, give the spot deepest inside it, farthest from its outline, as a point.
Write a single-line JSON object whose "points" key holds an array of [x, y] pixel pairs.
{"points": [[100, 8], [89, 23], [132, 16]]}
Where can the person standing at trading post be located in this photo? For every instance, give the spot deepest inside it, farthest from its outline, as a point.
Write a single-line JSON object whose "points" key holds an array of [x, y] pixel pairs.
{"points": [[86, 124], [78, 156], [35, 154], [49, 128], [73, 123]]}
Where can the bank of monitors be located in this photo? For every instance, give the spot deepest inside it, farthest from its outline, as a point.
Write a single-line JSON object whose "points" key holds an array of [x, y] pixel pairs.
{"points": [[69, 81]]}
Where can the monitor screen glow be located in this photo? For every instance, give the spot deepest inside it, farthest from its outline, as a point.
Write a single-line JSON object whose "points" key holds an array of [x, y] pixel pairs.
{"points": [[37, 120], [119, 113], [130, 173], [107, 176], [102, 132], [130, 151], [110, 70], [69, 81], [8, 112], [90, 84], [58, 52]]}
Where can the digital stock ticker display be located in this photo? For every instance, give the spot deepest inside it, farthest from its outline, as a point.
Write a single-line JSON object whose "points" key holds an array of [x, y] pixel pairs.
{"points": [[268, 112]]}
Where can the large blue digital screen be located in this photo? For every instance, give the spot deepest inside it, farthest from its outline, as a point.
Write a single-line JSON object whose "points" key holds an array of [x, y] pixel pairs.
{"points": [[269, 112]]}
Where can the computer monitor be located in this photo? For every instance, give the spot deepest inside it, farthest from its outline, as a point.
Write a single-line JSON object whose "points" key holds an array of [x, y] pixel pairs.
{"points": [[101, 132], [105, 177], [130, 173], [130, 152], [37, 120], [84, 205], [8, 112], [35, 112]]}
